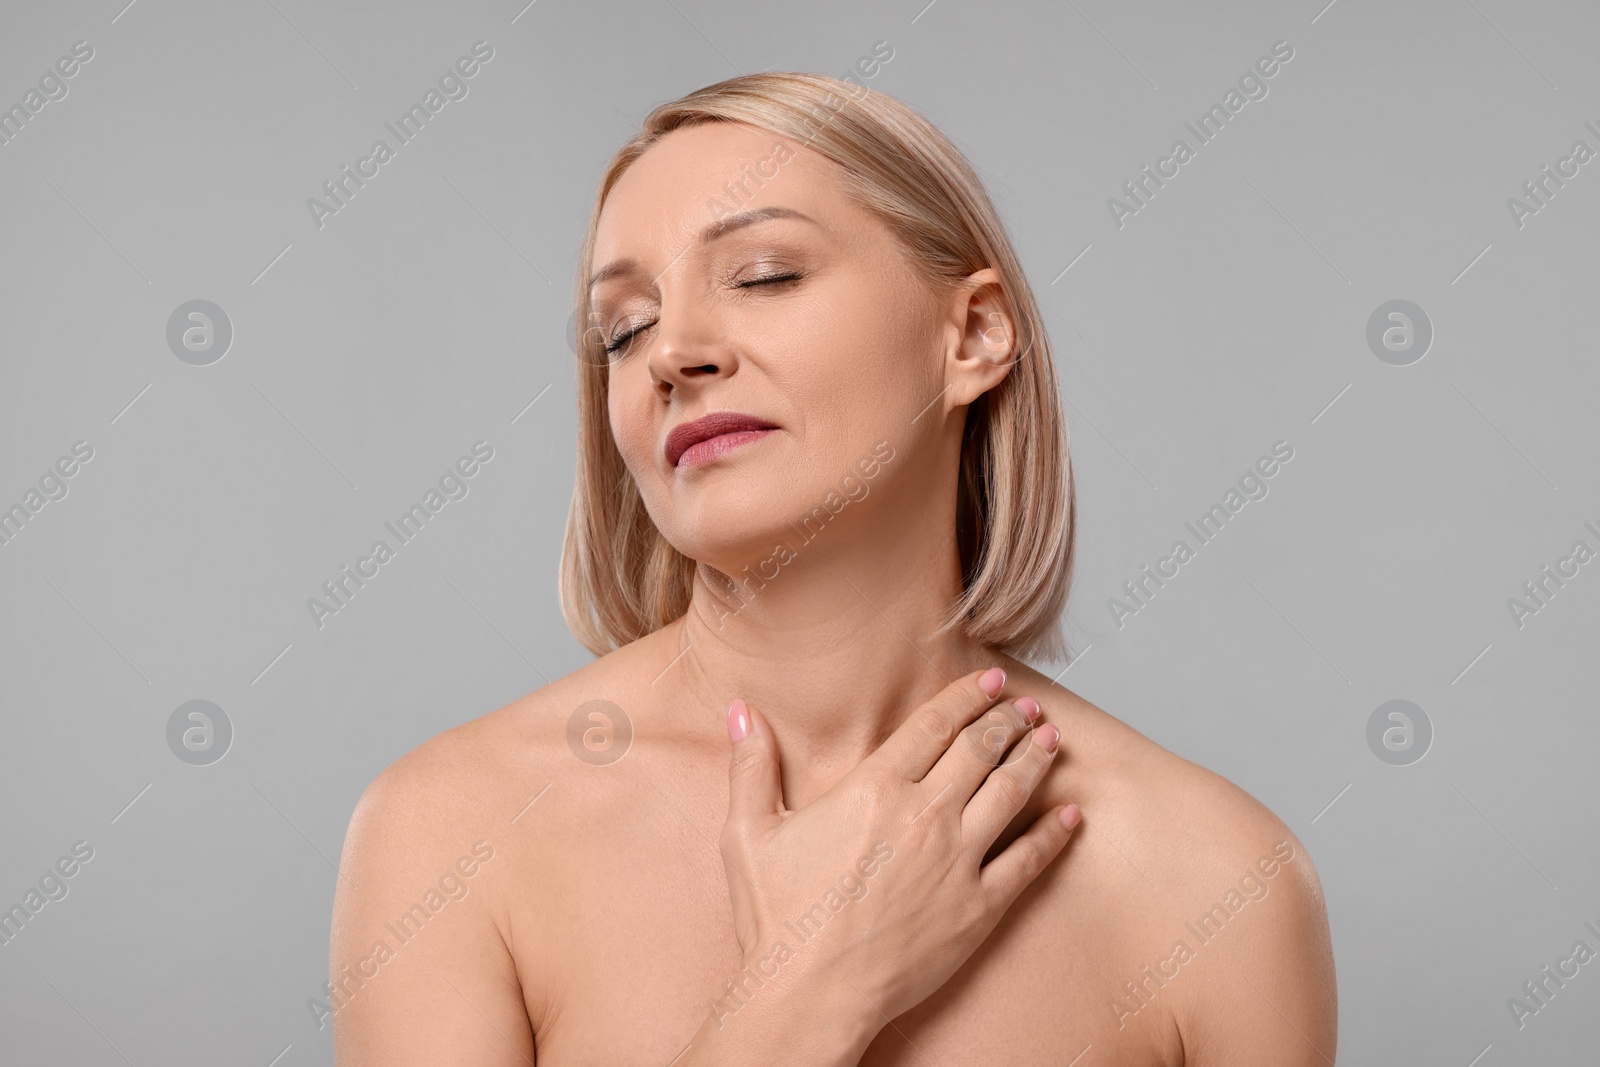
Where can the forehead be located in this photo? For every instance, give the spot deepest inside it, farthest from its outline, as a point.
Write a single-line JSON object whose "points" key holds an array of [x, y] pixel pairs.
{"points": [[695, 175]]}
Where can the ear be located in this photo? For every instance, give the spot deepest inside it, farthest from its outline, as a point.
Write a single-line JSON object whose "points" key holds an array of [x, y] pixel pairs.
{"points": [[984, 335]]}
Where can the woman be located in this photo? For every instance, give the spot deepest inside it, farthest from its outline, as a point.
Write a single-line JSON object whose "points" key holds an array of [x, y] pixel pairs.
{"points": [[822, 489]]}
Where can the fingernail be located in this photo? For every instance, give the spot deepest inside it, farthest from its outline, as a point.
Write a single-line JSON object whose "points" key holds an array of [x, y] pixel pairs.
{"points": [[1070, 816], [1047, 736], [992, 681], [1029, 708], [738, 721]]}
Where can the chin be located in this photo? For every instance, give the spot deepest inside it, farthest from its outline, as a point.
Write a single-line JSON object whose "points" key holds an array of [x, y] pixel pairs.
{"points": [[732, 532]]}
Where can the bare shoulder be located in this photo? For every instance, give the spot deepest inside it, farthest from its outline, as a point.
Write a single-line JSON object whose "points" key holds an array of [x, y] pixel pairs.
{"points": [[1174, 810], [479, 779], [436, 864], [478, 783], [419, 967], [453, 784], [471, 769], [1226, 926], [1254, 922]]}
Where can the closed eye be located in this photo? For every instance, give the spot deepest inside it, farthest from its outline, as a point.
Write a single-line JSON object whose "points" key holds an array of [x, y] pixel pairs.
{"points": [[770, 279], [618, 343], [613, 346]]}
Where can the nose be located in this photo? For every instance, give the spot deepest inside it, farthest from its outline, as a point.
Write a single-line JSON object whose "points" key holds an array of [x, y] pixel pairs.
{"points": [[689, 349]]}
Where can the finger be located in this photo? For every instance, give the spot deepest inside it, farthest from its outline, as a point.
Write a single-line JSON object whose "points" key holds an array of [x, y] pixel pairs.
{"points": [[1007, 789], [1008, 874], [983, 746], [755, 786], [916, 745]]}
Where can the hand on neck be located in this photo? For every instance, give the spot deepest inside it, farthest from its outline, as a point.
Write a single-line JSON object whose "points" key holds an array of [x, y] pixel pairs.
{"points": [[834, 649]]}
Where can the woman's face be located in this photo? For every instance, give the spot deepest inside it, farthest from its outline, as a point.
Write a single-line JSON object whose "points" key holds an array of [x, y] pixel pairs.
{"points": [[809, 320]]}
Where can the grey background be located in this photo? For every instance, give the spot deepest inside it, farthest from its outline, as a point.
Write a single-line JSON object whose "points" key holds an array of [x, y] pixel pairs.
{"points": [[368, 355]]}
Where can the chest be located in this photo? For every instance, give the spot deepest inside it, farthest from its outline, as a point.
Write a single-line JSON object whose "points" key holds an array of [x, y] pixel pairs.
{"points": [[625, 947]]}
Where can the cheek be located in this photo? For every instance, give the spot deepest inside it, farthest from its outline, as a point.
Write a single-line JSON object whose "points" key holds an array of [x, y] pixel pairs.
{"points": [[854, 359], [629, 415], [883, 378]]}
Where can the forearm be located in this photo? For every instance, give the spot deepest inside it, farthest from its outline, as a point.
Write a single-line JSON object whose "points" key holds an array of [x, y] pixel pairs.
{"points": [[783, 1026]]}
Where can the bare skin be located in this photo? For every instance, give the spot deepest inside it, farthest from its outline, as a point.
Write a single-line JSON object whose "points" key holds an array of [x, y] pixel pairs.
{"points": [[599, 931]]}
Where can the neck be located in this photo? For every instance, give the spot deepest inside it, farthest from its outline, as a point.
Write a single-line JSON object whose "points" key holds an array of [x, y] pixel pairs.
{"points": [[830, 642]]}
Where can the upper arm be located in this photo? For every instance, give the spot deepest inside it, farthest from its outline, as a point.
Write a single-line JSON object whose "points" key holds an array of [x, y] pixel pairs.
{"points": [[419, 971], [1270, 996]]}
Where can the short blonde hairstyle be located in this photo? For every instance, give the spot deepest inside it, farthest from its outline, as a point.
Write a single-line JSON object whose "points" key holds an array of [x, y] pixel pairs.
{"points": [[1016, 514]]}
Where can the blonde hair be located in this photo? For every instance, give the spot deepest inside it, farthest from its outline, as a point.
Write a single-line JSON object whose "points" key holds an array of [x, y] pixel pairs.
{"points": [[1016, 513]]}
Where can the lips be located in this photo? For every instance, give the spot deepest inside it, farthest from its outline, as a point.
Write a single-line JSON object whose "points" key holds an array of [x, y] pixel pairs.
{"points": [[708, 428]]}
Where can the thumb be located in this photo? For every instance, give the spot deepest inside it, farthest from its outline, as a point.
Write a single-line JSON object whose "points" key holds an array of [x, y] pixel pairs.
{"points": [[755, 787]]}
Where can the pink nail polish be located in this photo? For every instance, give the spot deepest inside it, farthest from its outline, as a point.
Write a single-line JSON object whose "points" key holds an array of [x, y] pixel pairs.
{"points": [[738, 721], [1047, 736], [1070, 816], [1029, 708], [992, 681]]}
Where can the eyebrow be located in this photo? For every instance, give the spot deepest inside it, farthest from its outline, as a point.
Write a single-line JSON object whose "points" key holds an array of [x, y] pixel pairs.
{"points": [[721, 228]]}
